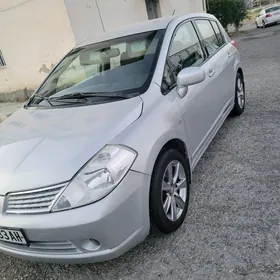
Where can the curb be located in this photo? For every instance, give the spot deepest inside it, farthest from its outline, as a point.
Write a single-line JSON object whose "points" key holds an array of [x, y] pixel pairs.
{"points": [[16, 96]]}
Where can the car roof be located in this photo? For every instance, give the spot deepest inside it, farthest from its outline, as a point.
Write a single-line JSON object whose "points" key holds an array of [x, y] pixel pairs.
{"points": [[141, 27]]}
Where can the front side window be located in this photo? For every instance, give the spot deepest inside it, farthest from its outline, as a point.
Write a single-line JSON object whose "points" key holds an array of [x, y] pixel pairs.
{"points": [[185, 51], [209, 38], [122, 66]]}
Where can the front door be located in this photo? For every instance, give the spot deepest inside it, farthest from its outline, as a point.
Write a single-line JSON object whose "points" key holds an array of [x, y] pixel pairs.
{"points": [[202, 105]]}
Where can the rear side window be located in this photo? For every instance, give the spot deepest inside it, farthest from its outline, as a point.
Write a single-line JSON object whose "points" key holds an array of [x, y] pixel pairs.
{"points": [[272, 9], [209, 39], [220, 36]]}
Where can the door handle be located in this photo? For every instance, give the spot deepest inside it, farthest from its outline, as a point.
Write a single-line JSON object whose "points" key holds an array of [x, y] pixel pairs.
{"points": [[212, 72], [229, 54]]}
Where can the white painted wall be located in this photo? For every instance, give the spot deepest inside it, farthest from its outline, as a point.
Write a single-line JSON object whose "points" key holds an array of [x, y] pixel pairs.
{"points": [[86, 21], [35, 34], [181, 6], [32, 34]]}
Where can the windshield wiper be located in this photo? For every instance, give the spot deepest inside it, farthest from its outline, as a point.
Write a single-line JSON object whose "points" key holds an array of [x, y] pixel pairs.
{"points": [[86, 95], [48, 99], [42, 97]]}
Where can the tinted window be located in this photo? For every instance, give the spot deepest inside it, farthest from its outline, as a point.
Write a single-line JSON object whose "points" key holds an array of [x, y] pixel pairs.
{"points": [[272, 9], [185, 49], [209, 38], [220, 36]]}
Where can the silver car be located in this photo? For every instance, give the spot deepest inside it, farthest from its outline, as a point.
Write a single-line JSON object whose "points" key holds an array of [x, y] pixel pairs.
{"points": [[105, 148]]}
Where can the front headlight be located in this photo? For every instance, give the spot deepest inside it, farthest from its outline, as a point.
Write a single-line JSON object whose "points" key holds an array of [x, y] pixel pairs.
{"points": [[97, 178]]}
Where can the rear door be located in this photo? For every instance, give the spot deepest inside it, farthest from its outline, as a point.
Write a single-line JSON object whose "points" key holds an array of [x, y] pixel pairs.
{"points": [[219, 65], [227, 53], [216, 97]]}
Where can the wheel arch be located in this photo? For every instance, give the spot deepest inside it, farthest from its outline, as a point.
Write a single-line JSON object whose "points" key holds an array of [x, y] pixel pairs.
{"points": [[180, 146]]}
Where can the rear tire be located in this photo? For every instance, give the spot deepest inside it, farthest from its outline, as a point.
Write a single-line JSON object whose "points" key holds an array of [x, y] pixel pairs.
{"points": [[239, 100], [169, 192]]}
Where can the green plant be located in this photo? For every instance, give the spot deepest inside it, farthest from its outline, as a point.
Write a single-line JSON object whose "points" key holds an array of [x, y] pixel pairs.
{"points": [[228, 11], [239, 13]]}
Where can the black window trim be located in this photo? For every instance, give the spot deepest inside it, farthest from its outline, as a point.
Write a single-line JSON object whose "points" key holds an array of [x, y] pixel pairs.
{"points": [[191, 20], [200, 36]]}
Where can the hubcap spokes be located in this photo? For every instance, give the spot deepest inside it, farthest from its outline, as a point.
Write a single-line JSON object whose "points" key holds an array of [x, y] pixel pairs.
{"points": [[174, 190]]}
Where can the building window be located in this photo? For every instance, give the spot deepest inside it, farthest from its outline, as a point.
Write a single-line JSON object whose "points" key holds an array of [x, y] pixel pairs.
{"points": [[2, 60]]}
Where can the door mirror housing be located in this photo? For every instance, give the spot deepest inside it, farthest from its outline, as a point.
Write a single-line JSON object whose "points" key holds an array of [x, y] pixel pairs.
{"points": [[187, 77]]}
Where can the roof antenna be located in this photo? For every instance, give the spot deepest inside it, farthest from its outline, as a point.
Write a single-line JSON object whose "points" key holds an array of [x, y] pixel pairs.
{"points": [[174, 12]]}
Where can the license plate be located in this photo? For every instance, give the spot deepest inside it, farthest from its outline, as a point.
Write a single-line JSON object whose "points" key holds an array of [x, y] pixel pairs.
{"points": [[12, 236]]}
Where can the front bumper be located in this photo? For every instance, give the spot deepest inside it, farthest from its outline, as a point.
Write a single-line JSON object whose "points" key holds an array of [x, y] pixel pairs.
{"points": [[115, 224]]}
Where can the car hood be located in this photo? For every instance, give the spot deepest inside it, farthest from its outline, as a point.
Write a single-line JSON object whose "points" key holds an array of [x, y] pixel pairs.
{"points": [[48, 146]]}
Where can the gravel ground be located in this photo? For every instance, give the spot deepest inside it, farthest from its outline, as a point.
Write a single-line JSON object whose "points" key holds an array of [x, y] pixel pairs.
{"points": [[232, 229]]}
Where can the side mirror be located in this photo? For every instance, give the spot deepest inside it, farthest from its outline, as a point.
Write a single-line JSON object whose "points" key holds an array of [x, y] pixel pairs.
{"points": [[187, 77]]}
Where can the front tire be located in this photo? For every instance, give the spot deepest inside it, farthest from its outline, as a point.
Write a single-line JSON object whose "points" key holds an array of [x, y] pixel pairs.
{"points": [[239, 100], [169, 192]]}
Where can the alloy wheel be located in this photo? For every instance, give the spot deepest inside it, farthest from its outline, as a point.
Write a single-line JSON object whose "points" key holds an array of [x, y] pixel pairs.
{"points": [[240, 93], [174, 190]]}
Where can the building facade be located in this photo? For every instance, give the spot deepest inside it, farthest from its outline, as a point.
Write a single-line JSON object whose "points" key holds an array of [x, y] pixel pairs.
{"points": [[35, 34]]}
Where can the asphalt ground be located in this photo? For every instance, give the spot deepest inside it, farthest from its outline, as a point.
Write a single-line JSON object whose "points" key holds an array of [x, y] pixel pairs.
{"points": [[232, 229]]}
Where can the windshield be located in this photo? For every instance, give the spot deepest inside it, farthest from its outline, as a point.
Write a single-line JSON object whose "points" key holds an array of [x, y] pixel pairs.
{"points": [[122, 66]]}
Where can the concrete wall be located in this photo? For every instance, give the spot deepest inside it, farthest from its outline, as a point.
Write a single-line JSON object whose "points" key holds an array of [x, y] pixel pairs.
{"points": [[86, 21], [34, 35], [181, 6]]}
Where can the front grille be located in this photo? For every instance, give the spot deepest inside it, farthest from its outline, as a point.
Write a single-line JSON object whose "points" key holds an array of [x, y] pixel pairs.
{"points": [[51, 247], [31, 202]]}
